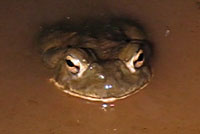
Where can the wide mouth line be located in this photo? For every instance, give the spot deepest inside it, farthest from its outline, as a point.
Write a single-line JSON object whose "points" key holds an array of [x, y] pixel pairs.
{"points": [[105, 100]]}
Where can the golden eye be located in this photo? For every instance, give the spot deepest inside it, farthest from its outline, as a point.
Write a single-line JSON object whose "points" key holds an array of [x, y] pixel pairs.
{"points": [[139, 59], [73, 65], [136, 61]]}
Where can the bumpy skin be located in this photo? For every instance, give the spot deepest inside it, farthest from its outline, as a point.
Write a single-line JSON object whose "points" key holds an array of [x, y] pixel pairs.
{"points": [[103, 53]]}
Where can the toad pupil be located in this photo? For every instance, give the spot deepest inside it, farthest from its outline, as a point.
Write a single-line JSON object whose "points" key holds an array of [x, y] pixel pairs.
{"points": [[69, 63], [75, 68]]}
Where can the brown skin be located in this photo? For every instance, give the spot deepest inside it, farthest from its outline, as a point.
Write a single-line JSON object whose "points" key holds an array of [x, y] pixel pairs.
{"points": [[102, 63]]}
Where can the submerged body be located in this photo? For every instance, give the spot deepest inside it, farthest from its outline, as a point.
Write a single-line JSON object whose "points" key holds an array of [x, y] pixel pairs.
{"points": [[100, 62]]}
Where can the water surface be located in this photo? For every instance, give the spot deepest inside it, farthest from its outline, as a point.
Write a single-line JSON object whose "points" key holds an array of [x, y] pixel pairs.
{"points": [[29, 104]]}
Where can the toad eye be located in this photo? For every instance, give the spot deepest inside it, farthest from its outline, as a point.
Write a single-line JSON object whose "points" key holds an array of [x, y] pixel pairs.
{"points": [[75, 66], [139, 59], [136, 61], [72, 65]]}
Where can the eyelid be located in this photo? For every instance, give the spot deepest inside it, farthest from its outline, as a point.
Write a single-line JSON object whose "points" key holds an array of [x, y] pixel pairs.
{"points": [[131, 63], [75, 61], [128, 51], [140, 51], [81, 65], [139, 61]]}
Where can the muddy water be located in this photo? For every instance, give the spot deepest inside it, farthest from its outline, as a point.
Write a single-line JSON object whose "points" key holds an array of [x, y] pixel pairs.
{"points": [[29, 104]]}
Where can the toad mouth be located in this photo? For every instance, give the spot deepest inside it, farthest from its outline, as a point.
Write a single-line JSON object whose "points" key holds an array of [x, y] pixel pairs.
{"points": [[97, 99]]}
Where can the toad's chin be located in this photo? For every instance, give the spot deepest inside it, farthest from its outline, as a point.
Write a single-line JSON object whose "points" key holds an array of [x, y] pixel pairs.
{"points": [[93, 97]]}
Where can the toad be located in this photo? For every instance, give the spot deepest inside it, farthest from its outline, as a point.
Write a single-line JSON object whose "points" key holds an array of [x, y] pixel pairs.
{"points": [[98, 61]]}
